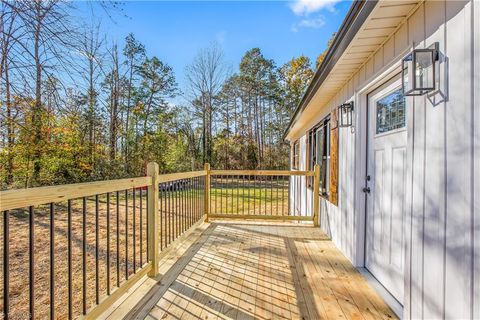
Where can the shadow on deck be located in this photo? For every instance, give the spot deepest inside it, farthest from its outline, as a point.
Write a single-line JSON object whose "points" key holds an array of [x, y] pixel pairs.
{"points": [[242, 270]]}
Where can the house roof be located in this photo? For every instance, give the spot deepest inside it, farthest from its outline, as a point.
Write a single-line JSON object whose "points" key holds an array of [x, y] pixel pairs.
{"points": [[366, 27]]}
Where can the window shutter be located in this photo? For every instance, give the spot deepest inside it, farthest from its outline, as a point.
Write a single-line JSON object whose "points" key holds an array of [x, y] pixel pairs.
{"points": [[307, 152], [320, 153], [292, 156], [333, 196]]}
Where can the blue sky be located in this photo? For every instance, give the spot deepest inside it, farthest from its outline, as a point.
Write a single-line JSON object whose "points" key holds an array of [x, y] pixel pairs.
{"points": [[175, 31]]}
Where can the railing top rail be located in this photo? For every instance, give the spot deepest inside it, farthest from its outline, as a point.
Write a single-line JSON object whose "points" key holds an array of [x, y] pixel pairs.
{"points": [[22, 198], [261, 173], [181, 175]]}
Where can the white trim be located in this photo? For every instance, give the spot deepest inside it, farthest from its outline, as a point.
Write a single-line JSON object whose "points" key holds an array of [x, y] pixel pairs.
{"points": [[390, 300], [361, 103], [360, 161]]}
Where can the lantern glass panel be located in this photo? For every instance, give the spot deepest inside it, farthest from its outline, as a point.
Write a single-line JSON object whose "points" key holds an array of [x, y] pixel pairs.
{"points": [[346, 111], [424, 70], [407, 74]]}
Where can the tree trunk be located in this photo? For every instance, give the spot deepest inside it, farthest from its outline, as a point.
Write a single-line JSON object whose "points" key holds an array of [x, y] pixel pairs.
{"points": [[10, 137], [37, 108]]}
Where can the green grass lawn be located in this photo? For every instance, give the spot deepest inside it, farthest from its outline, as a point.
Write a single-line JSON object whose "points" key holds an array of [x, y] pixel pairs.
{"points": [[258, 201]]}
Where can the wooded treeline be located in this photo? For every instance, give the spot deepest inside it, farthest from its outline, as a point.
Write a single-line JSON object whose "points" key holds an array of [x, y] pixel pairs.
{"points": [[76, 107]]}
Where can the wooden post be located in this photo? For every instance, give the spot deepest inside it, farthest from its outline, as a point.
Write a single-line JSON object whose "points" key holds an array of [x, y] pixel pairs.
{"points": [[316, 199], [153, 232], [207, 191]]}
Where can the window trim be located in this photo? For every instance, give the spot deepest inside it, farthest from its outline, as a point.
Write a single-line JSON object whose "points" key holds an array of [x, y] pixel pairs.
{"points": [[325, 125], [296, 155]]}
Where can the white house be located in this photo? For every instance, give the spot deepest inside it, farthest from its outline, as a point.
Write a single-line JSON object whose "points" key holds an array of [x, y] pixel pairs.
{"points": [[400, 186]]}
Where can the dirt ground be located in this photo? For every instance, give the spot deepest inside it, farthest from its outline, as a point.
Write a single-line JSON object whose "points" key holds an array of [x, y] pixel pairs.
{"points": [[178, 211], [183, 211]]}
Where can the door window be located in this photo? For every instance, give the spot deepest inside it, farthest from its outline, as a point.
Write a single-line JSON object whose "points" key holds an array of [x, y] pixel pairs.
{"points": [[390, 112]]}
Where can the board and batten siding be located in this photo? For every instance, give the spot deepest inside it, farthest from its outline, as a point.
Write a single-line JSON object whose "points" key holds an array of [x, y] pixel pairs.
{"points": [[443, 186]]}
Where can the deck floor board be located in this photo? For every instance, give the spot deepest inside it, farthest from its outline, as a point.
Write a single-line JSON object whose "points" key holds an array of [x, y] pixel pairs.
{"points": [[261, 270]]}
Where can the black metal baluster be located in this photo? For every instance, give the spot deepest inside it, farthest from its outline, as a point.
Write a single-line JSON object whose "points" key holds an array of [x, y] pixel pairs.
{"points": [[31, 254], [200, 198], [194, 199], [266, 194], [167, 218], [237, 185], [190, 200], [126, 234], [160, 190], [225, 186], [221, 194], [243, 194], [117, 194], [52, 260], [178, 208], [271, 195], [146, 225], [187, 204], [84, 255], [232, 183], [170, 220], [174, 212], [195, 190], [187, 199], [108, 243], [260, 178], [134, 231], [254, 194], [199, 209], [276, 189], [69, 250], [283, 196], [182, 205], [97, 295], [248, 194], [141, 227], [6, 264]]}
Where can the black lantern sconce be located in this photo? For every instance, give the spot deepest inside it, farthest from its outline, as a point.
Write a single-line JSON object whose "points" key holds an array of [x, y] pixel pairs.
{"points": [[419, 71], [345, 114]]}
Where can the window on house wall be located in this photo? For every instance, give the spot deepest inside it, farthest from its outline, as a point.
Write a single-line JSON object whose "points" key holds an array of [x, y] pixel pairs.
{"points": [[319, 153], [295, 155]]}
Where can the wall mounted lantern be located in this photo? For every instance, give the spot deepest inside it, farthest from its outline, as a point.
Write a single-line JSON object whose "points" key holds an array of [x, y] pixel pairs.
{"points": [[346, 114], [419, 71]]}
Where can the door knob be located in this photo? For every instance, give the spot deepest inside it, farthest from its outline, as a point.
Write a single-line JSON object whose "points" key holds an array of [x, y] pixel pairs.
{"points": [[366, 190]]}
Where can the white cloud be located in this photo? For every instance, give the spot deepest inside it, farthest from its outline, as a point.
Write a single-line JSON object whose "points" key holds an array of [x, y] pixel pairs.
{"points": [[314, 23], [221, 36], [305, 7]]}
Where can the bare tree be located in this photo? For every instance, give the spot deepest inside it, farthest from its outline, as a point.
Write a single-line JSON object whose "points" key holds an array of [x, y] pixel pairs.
{"points": [[49, 37], [90, 47], [205, 77], [113, 82], [134, 51], [8, 32]]}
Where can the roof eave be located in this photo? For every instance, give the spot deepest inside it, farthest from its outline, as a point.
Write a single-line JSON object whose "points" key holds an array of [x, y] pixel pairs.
{"points": [[356, 16]]}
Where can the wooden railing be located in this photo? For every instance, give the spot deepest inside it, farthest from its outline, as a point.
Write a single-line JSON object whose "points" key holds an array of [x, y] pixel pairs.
{"points": [[254, 194], [86, 244]]}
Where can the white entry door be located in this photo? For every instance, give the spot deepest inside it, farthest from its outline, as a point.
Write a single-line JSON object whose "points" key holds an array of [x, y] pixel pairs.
{"points": [[386, 175]]}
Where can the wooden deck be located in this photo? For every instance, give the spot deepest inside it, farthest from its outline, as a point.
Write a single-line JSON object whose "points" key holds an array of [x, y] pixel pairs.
{"points": [[246, 270]]}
